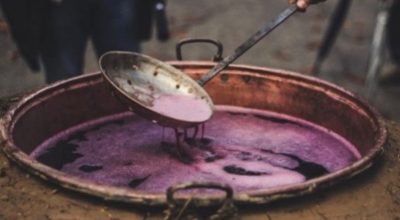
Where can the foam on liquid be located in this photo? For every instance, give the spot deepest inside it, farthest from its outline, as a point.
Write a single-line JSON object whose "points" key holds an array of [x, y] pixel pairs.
{"points": [[182, 107], [246, 148]]}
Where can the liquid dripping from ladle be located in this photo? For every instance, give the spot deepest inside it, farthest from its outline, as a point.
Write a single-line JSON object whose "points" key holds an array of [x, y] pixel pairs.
{"points": [[308, 169], [182, 137]]}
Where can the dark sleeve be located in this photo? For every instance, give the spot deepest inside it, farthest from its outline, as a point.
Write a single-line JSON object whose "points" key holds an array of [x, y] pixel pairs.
{"points": [[394, 32], [148, 13], [26, 19], [144, 18]]}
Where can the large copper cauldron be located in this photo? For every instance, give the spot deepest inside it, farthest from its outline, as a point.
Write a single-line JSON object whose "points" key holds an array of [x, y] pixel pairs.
{"points": [[54, 108]]}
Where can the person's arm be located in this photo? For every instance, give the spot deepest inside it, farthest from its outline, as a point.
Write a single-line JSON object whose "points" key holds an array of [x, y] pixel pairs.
{"points": [[303, 4]]}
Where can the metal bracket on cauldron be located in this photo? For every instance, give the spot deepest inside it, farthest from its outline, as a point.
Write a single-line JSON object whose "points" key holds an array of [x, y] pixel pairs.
{"points": [[180, 208], [217, 57]]}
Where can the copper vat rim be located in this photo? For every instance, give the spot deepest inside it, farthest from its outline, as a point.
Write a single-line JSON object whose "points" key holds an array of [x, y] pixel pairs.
{"points": [[261, 196]]}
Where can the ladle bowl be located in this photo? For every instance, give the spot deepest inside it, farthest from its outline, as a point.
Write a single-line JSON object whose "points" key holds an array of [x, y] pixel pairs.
{"points": [[138, 81]]}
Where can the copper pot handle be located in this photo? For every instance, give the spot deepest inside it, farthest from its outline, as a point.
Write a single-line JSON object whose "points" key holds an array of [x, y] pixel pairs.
{"points": [[217, 57], [193, 185], [175, 211]]}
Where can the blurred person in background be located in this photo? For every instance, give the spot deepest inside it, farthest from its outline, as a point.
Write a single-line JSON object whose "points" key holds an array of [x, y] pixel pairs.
{"points": [[391, 71], [55, 33]]}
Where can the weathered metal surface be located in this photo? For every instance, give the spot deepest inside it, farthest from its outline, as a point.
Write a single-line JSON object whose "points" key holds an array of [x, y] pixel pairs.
{"points": [[61, 105], [137, 80]]}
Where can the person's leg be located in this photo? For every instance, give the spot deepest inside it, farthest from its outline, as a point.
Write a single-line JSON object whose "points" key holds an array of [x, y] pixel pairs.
{"points": [[390, 74], [394, 32], [65, 40], [114, 27]]}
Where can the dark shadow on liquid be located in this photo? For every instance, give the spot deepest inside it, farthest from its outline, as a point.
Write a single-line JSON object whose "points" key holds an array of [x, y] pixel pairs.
{"points": [[59, 155], [233, 169], [90, 168], [137, 181], [308, 169], [63, 152]]}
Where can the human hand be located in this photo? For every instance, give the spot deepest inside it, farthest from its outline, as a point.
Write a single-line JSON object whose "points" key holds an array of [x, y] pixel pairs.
{"points": [[303, 4]]}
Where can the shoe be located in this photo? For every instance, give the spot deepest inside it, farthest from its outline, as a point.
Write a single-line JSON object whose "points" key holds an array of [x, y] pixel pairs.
{"points": [[390, 75]]}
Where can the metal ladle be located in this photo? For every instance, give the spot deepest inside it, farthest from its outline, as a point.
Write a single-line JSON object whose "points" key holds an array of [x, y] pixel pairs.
{"points": [[140, 81]]}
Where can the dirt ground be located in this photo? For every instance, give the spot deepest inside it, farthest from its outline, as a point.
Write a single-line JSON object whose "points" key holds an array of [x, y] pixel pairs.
{"points": [[374, 194]]}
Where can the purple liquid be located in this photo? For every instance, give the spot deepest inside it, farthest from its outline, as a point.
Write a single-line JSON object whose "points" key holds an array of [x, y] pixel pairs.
{"points": [[246, 148], [184, 108]]}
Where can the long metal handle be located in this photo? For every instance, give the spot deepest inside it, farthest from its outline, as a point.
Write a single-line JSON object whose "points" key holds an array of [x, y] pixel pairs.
{"points": [[377, 48], [249, 43]]}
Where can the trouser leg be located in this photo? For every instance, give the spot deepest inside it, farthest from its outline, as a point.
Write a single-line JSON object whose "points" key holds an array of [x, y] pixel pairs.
{"points": [[65, 40], [114, 26], [394, 32]]}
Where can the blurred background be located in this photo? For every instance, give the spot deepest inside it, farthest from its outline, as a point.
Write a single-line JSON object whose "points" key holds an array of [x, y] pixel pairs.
{"points": [[292, 46]]}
